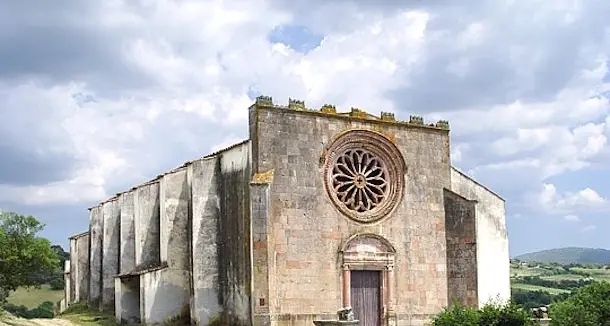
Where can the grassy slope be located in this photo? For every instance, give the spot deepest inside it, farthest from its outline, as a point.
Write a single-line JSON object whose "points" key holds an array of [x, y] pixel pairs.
{"points": [[33, 297], [569, 255], [554, 273], [529, 287]]}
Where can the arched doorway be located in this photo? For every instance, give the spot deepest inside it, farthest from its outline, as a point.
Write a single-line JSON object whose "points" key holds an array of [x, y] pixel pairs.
{"points": [[368, 277]]}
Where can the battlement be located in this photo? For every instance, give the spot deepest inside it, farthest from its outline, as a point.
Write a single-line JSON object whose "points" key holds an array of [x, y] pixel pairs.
{"points": [[356, 113]]}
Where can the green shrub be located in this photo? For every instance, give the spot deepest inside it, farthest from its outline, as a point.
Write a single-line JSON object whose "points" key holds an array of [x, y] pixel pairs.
{"points": [[44, 310], [57, 283], [492, 314], [457, 315], [589, 306], [19, 311]]}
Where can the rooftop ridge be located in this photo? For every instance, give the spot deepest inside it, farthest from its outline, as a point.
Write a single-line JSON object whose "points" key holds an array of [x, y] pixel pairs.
{"points": [[357, 113]]}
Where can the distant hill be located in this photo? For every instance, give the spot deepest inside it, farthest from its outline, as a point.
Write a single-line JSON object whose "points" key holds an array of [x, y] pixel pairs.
{"points": [[570, 255]]}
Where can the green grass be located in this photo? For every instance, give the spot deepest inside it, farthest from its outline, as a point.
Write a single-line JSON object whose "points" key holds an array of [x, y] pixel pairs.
{"points": [[525, 271], [83, 316], [529, 287], [32, 297], [561, 277], [603, 274]]}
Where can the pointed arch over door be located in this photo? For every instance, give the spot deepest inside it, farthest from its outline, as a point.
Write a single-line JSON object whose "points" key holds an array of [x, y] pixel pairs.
{"points": [[368, 277]]}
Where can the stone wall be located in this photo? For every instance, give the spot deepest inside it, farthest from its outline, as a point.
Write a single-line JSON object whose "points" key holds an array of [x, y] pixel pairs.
{"points": [[493, 261], [95, 256], [71, 296], [147, 224], [235, 268], [165, 292], [68, 288], [460, 229], [110, 250], [82, 277], [306, 231], [127, 261], [206, 211], [78, 289]]}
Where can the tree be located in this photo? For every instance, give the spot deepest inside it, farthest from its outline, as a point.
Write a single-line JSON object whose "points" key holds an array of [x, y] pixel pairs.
{"points": [[63, 256], [590, 305], [23, 254]]}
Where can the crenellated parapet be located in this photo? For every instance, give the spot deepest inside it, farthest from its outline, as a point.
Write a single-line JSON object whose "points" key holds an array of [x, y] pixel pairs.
{"points": [[355, 113], [296, 104]]}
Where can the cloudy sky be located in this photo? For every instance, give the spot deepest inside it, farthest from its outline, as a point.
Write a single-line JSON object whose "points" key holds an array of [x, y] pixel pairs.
{"points": [[96, 96]]}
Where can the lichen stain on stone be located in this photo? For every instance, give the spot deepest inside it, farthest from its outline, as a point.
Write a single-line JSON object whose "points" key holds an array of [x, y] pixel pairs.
{"points": [[263, 177]]}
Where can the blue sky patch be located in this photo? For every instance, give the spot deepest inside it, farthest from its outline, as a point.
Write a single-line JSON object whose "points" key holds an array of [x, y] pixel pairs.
{"points": [[297, 37]]}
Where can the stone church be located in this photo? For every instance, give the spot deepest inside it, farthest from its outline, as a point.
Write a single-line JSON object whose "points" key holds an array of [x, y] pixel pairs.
{"points": [[316, 211]]}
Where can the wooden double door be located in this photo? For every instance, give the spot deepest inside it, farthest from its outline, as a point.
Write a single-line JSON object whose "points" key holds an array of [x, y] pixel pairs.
{"points": [[365, 296]]}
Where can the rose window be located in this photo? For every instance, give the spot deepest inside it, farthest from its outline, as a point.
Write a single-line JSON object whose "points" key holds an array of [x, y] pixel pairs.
{"points": [[359, 179], [364, 175]]}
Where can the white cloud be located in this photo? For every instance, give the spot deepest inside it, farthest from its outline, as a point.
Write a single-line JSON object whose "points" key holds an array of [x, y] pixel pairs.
{"points": [[586, 199], [588, 228], [572, 218], [553, 149], [493, 73]]}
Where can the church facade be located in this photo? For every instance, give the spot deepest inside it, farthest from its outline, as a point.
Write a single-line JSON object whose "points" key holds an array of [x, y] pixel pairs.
{"points": [[316, 211]]}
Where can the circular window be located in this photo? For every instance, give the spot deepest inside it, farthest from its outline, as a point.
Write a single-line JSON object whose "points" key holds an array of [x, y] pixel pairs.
{"points": [[364, 175]]}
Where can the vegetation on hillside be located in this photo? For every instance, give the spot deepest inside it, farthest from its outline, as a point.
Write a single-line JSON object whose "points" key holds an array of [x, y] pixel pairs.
{"points": [[569, 255], [539, 284]]}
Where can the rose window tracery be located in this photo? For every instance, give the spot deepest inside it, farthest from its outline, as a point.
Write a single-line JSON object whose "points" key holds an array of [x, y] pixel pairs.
{"points": [[359, 179], [364, 175]]}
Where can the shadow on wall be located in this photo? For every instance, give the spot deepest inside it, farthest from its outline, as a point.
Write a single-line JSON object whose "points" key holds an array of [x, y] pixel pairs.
{"points": [[169, 288], [234, 242], [151, 251]]}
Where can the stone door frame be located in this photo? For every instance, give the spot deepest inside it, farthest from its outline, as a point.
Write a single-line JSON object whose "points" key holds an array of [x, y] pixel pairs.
{"points": [[367, 251]]}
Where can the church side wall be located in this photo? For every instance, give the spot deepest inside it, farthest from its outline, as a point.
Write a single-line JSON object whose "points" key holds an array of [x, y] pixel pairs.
{"points": [[235, 268], [73, 268], [166, 292], [82, 279], [147, 224], [95, 258], [306, 231], [460, 226], [205, 302], [79, 269], [127, 230], [110, 251], [68, 287], [493, 261]]}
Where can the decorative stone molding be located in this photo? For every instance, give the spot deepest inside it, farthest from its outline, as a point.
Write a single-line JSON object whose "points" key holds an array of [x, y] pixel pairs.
{"points": [[369, 252], [364, 175]]}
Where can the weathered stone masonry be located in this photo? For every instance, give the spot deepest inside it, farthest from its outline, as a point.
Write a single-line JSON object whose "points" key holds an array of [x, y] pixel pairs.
{"points": [[318, 210]]}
